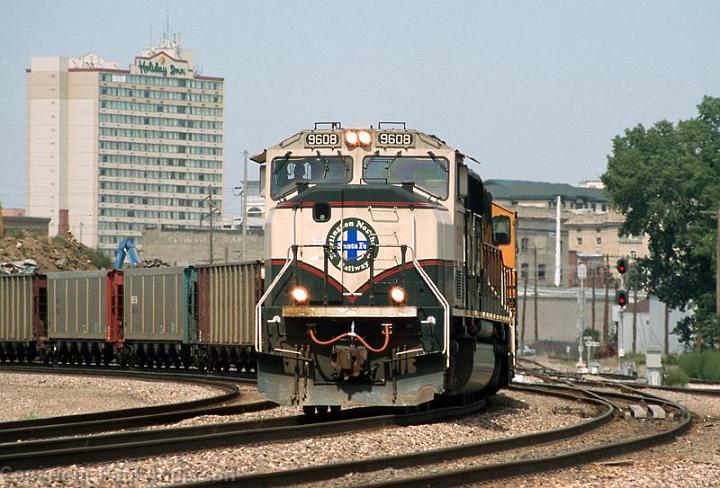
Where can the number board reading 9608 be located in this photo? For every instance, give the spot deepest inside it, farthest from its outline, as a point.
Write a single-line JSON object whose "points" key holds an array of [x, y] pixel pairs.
{"points": [[322, 139], [395, 139]]}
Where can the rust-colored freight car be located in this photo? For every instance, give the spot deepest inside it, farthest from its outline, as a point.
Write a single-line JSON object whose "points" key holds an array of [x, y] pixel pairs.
{"points": [[226, 300], [22, 317]]}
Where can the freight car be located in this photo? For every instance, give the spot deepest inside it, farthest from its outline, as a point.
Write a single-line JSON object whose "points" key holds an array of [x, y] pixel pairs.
{"points": [[155, 317], [22, 315], [389, 283]]}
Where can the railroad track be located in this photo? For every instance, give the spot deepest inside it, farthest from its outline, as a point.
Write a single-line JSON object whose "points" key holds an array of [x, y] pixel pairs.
{"points": [[101, 448], [56, 452], [67, 425], [360, 473]]}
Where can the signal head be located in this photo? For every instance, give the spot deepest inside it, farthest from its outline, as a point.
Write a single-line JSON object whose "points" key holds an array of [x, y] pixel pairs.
{"points": [[621, 298], [621, 265]]}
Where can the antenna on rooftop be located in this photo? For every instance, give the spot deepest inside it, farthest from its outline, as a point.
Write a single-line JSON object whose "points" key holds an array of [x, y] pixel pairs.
{"points": [[167, 19]]}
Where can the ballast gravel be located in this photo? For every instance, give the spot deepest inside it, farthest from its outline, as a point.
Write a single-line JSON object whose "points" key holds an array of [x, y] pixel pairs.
{"points": [[691, 460], [509, 413], [27, 396]]}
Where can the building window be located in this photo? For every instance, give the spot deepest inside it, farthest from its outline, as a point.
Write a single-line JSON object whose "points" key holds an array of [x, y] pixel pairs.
{"points": [[598, 240], [579, 241], [604, 207], [524, 244], [541, 271], [524, 271]]}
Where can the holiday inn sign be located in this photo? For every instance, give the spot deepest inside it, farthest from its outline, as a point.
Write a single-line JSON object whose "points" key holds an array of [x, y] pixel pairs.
{"points": [[160, 65]]}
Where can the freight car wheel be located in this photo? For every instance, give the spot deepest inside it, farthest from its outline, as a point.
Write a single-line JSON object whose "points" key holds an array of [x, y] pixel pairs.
{"points": [[44, 357], [309, 410]]}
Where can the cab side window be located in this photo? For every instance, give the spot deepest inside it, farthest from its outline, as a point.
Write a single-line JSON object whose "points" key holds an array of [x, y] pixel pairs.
{"points": [[501, 230]]}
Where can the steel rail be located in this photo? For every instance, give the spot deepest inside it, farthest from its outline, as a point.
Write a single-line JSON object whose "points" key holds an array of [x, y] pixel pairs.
{"points": [[326, 472], [123, 418], [61, 452], [546, 463], [624, 382]]}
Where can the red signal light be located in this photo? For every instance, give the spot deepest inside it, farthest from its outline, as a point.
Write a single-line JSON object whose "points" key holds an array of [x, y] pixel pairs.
{"points": [[622, 265], [621, 298]]}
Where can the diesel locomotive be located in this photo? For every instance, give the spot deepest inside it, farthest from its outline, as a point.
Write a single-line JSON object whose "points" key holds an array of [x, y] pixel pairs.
{"points": [[390, 273]]}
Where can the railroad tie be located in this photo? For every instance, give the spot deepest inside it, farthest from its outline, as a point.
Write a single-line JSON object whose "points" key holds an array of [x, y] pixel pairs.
{"points": [[657, 412], [637, 411]]}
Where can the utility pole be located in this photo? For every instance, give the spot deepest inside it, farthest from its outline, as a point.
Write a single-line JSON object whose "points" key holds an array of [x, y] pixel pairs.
{"points": [[620, 339], [667, 329], [717, 266], [522, 328], [635, 312], [606, 316], [593, 274], [244, 195], [212, 210], [535, 298], [582, 275], [716, 213]]}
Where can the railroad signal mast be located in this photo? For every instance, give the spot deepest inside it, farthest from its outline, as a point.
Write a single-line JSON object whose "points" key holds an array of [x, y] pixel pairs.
{"points": [[621, 298]]}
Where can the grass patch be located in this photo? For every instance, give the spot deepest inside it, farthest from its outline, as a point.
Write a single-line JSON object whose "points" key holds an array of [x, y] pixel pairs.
{"points": [[98, 258], [31, 416], [636, 357], [675, 376], [704, 365]]}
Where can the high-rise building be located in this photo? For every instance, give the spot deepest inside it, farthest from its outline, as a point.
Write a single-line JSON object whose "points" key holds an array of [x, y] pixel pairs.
{"points": [[114, 151]]}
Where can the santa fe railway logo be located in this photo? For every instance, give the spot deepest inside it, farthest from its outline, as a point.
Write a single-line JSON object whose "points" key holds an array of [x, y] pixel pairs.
{"points": [[349, 241]]}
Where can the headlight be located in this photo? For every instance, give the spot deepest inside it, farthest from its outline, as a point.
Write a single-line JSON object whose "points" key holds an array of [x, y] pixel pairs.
{"points": [[397, 295], [299, 295], [364, 138], [351, 138]]}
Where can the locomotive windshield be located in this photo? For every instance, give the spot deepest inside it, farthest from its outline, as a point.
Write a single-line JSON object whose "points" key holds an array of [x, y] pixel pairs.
{"points": [[427, 172], [288, 172]]}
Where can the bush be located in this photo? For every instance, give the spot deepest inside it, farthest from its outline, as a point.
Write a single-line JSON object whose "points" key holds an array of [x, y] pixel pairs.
{"points": [[595, 334], [711, 366], [98, 258], [670, 359], [60, 241], [704, 365], [691, 363], [637, 357], [674, 376]]}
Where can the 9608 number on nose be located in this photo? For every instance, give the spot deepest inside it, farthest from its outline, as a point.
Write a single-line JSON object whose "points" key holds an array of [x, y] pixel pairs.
{"points": [[395, 139]]}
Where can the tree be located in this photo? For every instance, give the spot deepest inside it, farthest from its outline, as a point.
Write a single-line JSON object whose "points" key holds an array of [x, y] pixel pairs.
{"points": [[664, 180]]}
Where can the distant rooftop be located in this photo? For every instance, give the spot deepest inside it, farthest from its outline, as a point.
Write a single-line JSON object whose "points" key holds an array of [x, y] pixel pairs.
{"points": [[540, 190]]}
